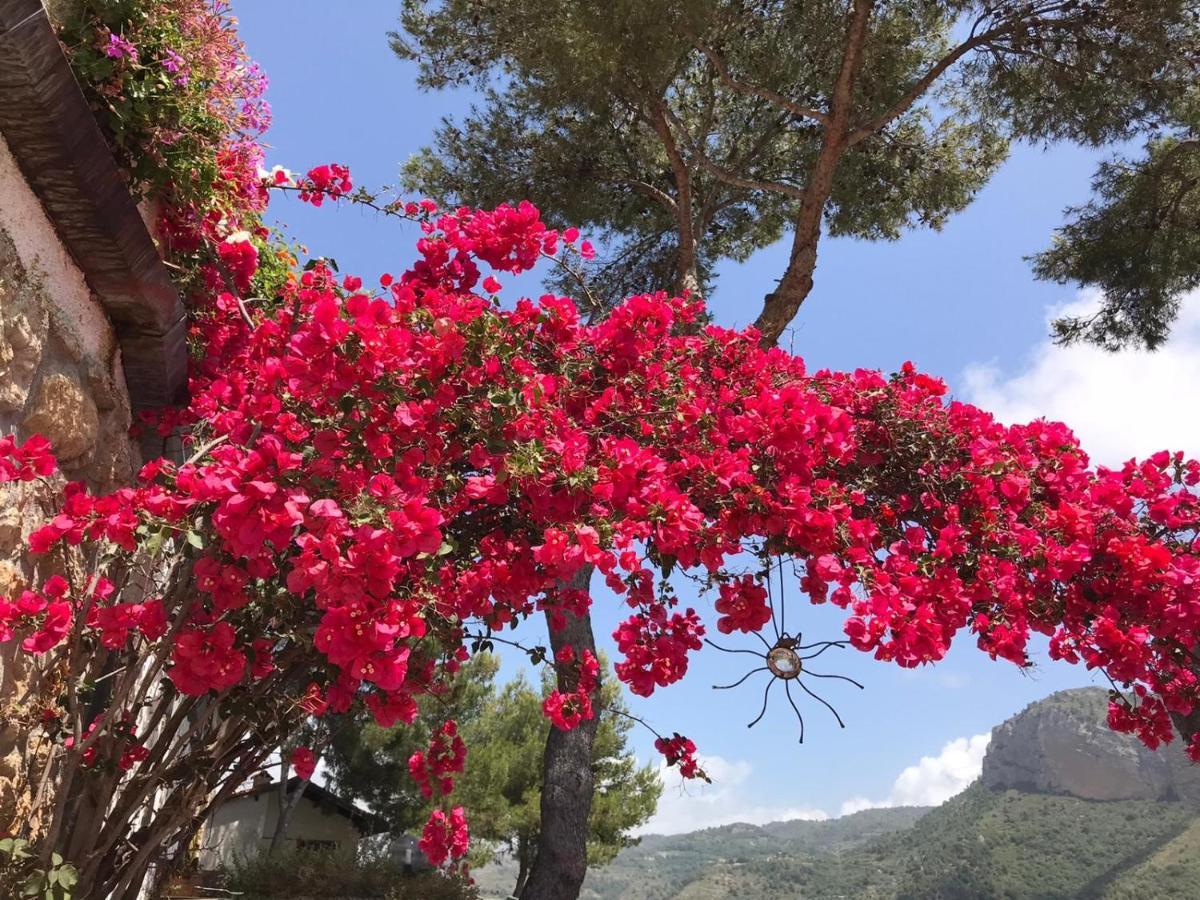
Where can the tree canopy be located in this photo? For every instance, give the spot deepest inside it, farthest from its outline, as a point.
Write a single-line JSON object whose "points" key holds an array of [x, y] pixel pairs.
{"points": [[696, 131], [1138, 241]]}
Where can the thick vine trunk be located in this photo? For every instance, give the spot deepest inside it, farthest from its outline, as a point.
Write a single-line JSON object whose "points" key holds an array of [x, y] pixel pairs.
{"points": [[567, 782], [288, 801], [286, 810]]}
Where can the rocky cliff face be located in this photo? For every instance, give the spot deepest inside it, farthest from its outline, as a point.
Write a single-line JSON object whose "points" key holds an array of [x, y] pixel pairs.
{"points": [[1063, 745]]}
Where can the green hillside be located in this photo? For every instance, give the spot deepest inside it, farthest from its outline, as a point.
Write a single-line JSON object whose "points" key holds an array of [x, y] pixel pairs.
{"points": [[686, 865], [1171, 871], [664, 866], [1016, 845], [981, 844], [1022, 832]]}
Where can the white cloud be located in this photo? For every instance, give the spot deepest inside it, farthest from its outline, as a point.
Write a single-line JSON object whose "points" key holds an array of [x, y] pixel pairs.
{"points": [[694, 805], [691, 806], [934, 780], [1120, 405], [858, 804]]}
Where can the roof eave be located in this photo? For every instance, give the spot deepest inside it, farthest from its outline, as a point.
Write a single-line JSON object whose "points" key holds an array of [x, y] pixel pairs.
{"points": [[61, 152]]}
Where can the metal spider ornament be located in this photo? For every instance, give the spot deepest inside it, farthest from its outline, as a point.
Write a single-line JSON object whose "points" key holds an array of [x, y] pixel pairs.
{"points": [[786, 660]]}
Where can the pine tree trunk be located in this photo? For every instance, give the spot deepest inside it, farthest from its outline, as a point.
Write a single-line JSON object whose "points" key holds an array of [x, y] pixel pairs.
{"points": [[687, 277], [781, 305], [567, 783], [560, 861]]}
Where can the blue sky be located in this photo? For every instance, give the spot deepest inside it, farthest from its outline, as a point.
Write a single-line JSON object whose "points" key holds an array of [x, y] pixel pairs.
{"points": [[960, 303]]}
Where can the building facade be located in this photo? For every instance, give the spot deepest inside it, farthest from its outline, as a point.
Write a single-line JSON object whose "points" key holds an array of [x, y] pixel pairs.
{"points": [[243, 826]]}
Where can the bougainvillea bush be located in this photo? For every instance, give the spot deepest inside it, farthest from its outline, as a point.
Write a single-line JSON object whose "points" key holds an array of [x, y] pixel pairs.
{"points": [[379, 478], [380, 474]]}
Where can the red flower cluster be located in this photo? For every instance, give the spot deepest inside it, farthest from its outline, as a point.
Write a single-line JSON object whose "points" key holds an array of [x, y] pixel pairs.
{"points": [[655, 646], [566, 709], [26, 461], [116, 622], [743, 606], [332, 181], [445, 837], [240, 258], [206, 659], [681, 751], [446, 755], [45, 618], [304, 761]]}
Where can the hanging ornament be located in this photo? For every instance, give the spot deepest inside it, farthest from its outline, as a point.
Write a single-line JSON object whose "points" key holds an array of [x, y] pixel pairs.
{"points": [[786, 660]]}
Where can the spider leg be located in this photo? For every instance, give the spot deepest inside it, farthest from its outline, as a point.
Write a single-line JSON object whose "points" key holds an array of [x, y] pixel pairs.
{"points": [[823, 703], [787, 688], [840, 677], [761, 638], [725, 687], [732, 650], [766, 694], [824, 645]]}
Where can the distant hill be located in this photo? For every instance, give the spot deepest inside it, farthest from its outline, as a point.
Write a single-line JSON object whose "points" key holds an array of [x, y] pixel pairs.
{"points": [[1065, 809], [692, 865]]}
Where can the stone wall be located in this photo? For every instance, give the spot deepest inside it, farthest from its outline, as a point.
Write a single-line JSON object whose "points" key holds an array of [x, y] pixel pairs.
{"points": [[60, 365], [60, 376]]}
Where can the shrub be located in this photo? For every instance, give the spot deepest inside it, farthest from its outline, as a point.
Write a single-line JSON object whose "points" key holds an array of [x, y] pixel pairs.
{"points": [[295, 874]]}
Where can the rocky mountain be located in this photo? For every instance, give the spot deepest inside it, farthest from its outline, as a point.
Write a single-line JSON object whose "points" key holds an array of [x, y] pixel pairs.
{"points": [[1064, 808], [1062, 745]]}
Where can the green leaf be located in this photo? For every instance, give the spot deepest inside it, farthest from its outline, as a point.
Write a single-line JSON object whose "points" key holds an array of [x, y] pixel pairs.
{"points": [[68, 876], [195, 540], [56, 859], [34, 884], [155, 542]]}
